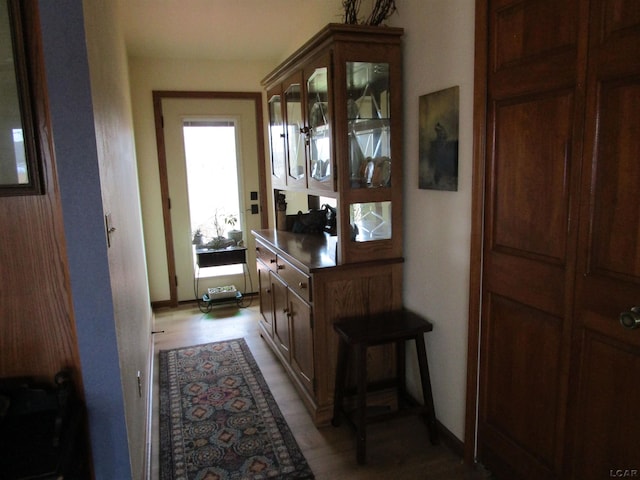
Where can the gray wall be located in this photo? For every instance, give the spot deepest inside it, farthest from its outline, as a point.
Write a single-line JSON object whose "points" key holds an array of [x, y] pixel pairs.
{"points": [[97, 174]]}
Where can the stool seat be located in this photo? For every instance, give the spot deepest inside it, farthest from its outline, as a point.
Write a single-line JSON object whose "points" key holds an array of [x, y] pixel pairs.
{"points": [[357, 333], [381, 328]]}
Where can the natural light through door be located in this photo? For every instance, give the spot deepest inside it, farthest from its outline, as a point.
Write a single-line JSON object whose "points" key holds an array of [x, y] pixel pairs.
{"points": [[212, 184]]}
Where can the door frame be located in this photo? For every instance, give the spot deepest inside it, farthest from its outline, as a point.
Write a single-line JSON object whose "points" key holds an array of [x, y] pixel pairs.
{"points": [[158, 96], [477, 229]]}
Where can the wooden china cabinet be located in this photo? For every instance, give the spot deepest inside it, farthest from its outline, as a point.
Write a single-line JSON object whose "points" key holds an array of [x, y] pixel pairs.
{"points": [[335, 131]]}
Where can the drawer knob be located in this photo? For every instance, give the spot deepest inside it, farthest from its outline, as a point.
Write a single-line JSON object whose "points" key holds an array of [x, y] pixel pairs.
{"points": [[302, 285], [280, 267], [272, 260]]}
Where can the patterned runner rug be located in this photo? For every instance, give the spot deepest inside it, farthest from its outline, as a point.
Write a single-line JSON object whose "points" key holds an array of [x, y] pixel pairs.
{"points": [[218, 419]]}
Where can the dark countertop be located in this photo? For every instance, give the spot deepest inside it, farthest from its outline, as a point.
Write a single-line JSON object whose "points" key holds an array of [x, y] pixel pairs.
{"points": [[311, 251]]}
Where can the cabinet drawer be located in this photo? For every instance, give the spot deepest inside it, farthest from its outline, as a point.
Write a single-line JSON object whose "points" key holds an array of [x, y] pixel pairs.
{"points": [[267, 256], [297, 281]]}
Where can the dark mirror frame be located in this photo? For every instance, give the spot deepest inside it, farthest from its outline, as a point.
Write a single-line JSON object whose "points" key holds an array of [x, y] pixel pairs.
{"points": [[29, 66]]}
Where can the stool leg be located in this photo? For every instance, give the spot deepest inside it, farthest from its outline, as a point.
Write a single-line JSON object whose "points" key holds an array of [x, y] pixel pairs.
{"points": [[361, 413], [339, 386], [401, 374], [426, 389]]}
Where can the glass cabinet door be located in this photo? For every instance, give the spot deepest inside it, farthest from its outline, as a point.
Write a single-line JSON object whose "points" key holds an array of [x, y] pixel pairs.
{"points": [[319, 132], [277, 140], [295, 133], [369, 125], [370, 221]]}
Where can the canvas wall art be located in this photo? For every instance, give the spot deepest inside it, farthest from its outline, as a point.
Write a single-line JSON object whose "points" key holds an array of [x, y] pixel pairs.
{"points": [[438, 140]]}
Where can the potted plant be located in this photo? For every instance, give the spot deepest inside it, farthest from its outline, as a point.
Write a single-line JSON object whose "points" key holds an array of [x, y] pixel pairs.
{"points": [[233, 234], [197, 238], [219, 240]]}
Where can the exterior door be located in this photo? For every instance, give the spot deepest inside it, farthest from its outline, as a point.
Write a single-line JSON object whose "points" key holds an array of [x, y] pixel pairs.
{"points": [[558, 373], [175, 111]]}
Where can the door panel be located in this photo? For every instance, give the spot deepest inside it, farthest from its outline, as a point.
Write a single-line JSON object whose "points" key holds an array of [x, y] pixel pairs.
{"points": [[614, 239], [530, 201], [522, 367], [301, 340], [277, 138], [266, 297], [525, 30], [280, 315], [608, 400], [531, 196], [295, 138], [606, 360]]}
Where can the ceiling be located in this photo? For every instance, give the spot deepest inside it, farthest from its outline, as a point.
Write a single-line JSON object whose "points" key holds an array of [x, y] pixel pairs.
{"points": [[225, 30]]}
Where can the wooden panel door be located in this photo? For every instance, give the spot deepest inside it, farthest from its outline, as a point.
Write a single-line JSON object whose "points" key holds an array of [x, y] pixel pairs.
{"points": [[533, 138], [266, 298], [606, 363], [281, 333], [301, 340], [559, 374]]}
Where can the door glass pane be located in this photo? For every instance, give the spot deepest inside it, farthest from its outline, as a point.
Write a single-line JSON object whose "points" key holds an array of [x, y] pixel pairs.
{"points": [[212, 185], [295, 138], [276, 134], [370, 221], [369, 124], [319, 134]]}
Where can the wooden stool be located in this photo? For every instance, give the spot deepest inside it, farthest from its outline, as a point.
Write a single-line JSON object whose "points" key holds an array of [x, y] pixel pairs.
{"points": [[364, 331]]}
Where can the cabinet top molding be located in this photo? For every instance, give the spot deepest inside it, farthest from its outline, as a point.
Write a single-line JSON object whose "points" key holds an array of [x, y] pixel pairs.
{"points": [[336, 32]]}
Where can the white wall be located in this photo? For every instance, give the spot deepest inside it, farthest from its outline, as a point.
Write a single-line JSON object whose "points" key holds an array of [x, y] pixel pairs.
{"points": [[120, 196], [438, 53]]}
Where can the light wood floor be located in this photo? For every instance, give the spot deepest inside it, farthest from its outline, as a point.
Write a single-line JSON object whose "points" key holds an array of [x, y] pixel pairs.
{"points": [[397, 449]]}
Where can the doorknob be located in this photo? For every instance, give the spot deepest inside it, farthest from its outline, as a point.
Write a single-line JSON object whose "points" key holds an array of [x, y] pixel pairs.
{"points": [[631, 319]]}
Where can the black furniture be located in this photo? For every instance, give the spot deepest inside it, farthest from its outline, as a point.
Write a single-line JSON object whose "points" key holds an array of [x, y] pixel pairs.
{"points": [[41, 430], [356, 335], [209, 257]]}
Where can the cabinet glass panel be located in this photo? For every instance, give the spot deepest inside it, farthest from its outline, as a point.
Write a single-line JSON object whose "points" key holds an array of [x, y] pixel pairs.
{"points": [[319, 134], [295, 124], [370, 221], [369, 125], [276, 134]]}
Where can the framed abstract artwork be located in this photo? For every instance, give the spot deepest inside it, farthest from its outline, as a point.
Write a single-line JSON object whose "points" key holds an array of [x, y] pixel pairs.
{"points": [[438, 140]]}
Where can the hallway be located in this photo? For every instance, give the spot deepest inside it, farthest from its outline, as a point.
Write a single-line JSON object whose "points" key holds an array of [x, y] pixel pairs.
{"points": [[396, 449]]}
